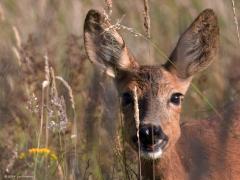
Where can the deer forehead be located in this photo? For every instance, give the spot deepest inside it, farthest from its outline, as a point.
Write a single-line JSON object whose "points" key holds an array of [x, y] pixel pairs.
{"points": [[157, 81]]}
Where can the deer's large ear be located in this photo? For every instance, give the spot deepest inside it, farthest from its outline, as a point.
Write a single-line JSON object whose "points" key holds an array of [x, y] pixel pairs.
{"points": [[197, 46], [104, 46]]}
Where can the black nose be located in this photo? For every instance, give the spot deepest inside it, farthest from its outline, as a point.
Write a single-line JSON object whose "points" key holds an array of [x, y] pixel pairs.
{"points": [[150, 135]]}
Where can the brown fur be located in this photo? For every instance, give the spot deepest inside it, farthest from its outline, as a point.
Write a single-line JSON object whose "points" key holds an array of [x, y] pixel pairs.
{"points": [[207, 149], [204, 149]]}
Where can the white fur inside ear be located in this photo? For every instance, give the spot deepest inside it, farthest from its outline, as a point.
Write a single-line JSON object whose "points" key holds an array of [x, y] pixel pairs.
{"points": [[124, 61], [109, 71]]}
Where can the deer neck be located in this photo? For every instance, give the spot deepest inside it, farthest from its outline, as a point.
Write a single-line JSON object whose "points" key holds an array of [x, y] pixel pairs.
{"points": [[169, 167]]}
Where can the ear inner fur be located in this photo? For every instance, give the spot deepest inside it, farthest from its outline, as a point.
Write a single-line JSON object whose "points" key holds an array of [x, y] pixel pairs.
{"points": [[197, 46], [104, 46]]}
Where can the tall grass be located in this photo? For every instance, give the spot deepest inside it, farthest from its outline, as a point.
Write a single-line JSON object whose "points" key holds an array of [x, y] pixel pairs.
{"points": [[60, 102]]}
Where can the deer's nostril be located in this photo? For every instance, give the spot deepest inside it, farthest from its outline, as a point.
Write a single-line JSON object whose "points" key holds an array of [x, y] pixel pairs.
{"points": [[145, 132], [145, 135], [150, 135]]}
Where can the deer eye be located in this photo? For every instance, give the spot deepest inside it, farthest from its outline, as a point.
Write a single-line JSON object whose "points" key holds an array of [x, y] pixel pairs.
{"points": [[127, 98], [176, 98]]}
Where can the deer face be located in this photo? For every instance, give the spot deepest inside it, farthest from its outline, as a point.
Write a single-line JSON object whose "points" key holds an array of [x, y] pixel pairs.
{"points": [[160, 96], [160, 89]]}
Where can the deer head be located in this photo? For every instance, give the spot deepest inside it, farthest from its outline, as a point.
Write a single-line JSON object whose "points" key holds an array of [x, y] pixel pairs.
{"points": [[160, 88]]}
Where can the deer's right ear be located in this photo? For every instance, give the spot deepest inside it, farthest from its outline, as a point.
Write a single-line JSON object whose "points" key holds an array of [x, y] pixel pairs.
{"points": [[104, 46], [197, 47]]}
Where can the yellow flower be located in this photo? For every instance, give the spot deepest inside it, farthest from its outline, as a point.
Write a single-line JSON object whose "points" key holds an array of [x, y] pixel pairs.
{"points": [[41, 151]]}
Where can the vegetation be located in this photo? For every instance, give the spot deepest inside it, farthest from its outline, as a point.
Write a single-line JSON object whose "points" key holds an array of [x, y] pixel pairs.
{"points": [[59, 116]]}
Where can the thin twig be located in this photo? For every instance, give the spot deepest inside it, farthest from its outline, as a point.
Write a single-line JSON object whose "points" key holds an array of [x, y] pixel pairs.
{"points": [[136, 116], [235, 20]]}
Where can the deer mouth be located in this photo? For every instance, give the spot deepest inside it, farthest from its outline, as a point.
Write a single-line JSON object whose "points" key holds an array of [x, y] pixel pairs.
{"points": [[152, 150]]}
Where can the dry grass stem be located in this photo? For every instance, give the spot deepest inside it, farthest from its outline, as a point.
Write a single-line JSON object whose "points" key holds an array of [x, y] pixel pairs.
{"points": [[235, 20], [137, 121], [118, 26], [54, 91], [108, 5], [47, 69], [17, 54], [44, 85], [147, 24], [17, 36], [47, 79], [70, 93]]}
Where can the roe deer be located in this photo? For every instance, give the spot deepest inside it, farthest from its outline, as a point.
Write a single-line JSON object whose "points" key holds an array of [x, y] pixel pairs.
{"points": [[204, 149]]}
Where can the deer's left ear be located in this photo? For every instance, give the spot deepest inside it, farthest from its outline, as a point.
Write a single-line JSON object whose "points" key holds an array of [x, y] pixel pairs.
{"points": [[105, 46], [197, 46]]}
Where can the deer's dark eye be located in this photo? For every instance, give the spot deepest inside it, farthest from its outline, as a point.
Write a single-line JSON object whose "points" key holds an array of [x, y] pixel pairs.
{"points": [[176, 98], [127, 98]]}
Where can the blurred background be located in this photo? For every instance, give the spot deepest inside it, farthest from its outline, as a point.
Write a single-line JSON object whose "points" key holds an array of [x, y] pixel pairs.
{"points": [[59, 116]]}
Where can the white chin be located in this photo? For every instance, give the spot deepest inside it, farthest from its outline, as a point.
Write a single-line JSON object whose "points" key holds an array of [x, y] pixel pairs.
{"points": [[152, 155]]}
